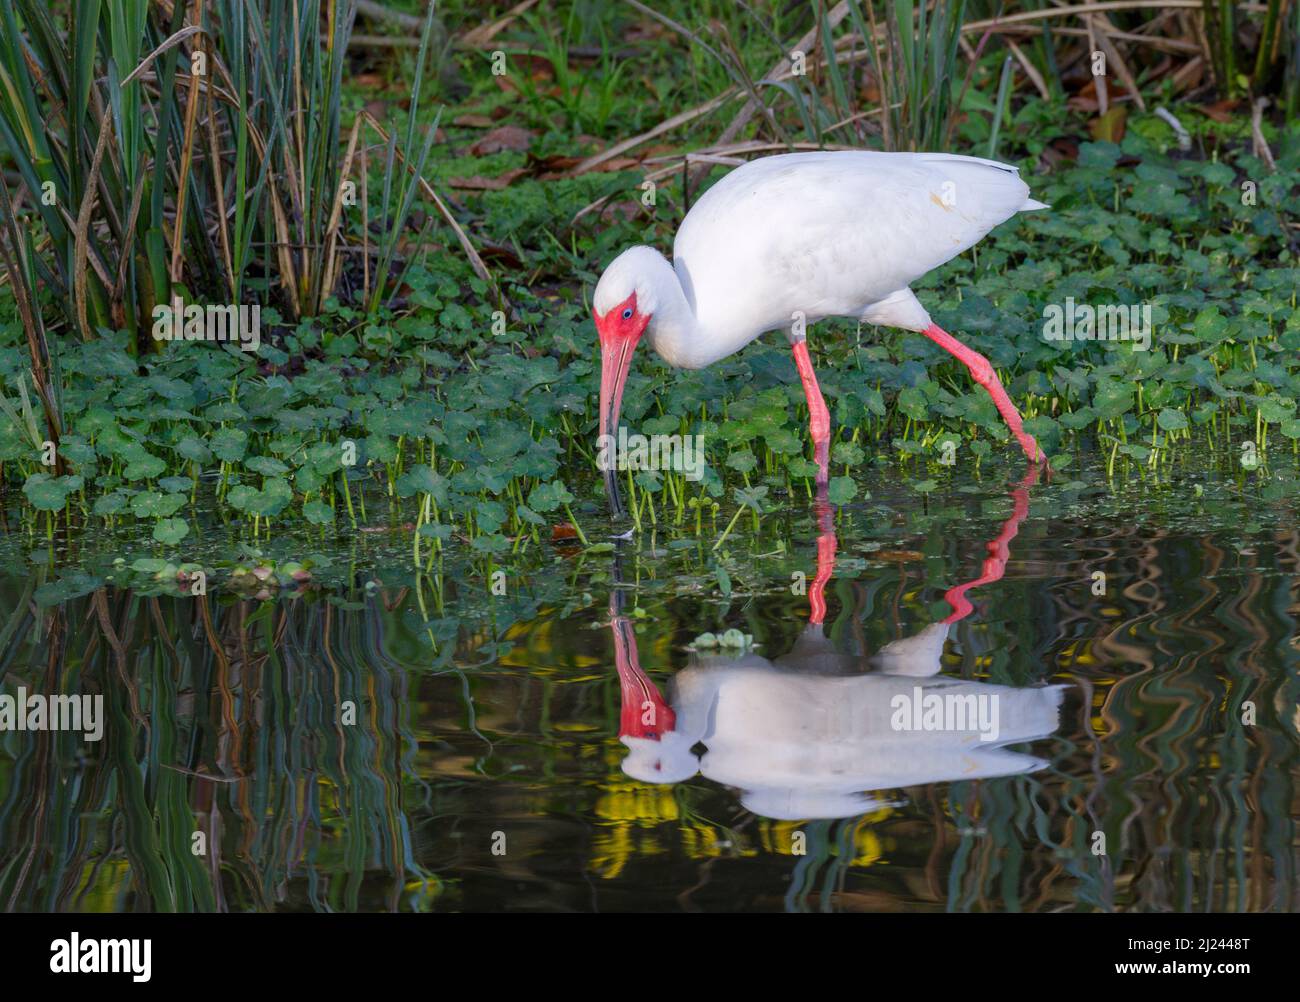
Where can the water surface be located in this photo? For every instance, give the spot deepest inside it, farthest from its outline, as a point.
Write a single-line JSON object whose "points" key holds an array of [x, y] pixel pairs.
{"points": [[560, 736]]}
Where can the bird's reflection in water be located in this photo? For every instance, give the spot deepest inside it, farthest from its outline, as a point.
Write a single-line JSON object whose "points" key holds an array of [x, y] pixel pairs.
{"points": [[816, 734]]}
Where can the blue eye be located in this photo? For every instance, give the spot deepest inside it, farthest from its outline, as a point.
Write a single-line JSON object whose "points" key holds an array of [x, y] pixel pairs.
{"points": [[627, 314]]}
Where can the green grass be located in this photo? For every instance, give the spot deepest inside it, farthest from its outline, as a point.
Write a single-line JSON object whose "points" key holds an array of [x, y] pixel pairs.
{"points": [[206, 160]]}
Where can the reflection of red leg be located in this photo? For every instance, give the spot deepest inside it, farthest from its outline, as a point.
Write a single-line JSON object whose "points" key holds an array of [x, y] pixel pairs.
{"points": [[995, 565], [983, 374], [826, 545], [819, 418], [645, 713]]}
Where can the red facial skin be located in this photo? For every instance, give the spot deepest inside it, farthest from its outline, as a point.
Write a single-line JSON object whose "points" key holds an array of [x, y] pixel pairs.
{"points": [[620, 329]]}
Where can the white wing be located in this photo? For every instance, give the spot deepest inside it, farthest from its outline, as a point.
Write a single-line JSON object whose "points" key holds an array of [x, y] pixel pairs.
{"points": [[831, 233]]}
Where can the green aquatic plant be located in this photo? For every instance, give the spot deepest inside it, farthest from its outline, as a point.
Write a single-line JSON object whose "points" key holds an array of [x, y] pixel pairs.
{"points": [[422, 407]]}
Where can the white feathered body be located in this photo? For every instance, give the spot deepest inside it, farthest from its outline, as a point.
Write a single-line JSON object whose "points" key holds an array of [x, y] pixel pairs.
{"points": [[802, 744], [824, 234]]}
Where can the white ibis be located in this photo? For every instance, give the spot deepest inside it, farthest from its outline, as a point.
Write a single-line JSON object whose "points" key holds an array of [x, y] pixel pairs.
{"points": [[801, 237]]}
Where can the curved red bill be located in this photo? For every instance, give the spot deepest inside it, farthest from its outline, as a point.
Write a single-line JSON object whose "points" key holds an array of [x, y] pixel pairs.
{"points": [[620, 329]]}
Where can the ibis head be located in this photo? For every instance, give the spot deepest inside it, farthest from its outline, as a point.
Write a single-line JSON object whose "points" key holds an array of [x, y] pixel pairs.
{"points": [[619, 328]]}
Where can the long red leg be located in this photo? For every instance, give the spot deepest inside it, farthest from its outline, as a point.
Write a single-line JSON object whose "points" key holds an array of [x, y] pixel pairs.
{"points": [[999, 549], [826, 545], [983, 374], [819, 418]]}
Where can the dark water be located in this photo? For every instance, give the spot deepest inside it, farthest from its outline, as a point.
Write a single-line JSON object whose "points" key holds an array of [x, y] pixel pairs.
{"points": [[546, 740]]}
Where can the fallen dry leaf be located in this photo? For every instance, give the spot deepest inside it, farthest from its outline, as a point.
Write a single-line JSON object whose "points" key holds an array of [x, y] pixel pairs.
{"points": [[1110, 126], [1220, 111], [553, 167], [616, 163], [539, 67], [1085, 98], [626, 210], [480, 183], [472, 121], [1061, 150], [645, 31], [500, 254], [554, 161], [503, 137]]}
